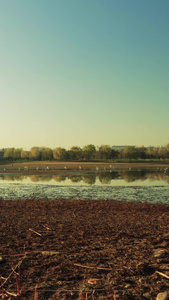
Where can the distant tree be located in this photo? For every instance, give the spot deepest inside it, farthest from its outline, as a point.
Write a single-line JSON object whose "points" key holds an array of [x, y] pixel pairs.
{"points": [[75, 153], [89, 152], [47, 153], [150, 153], [121, 153], [142, 152], [156, 152], [9, 153], [25, 154], [115, 153], [17, 153], [35, 153], [105, 152], [167, 148], [162, 152], [131, 152], [60, 153]]}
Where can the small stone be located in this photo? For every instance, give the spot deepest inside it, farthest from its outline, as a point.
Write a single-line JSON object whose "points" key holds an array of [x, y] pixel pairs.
{"points": [[163, 296], [147, 295], [1, 259], [127, 286]]}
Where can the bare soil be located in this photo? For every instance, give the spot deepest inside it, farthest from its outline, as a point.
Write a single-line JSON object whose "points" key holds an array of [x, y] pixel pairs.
{"points": [[83, 249]]}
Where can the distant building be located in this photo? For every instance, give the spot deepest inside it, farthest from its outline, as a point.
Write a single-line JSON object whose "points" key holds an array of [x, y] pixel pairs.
{"points": [[118, 148]]}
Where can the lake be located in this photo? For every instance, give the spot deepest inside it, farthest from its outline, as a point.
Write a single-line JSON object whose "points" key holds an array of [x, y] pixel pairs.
{"points": [[145, 185]]}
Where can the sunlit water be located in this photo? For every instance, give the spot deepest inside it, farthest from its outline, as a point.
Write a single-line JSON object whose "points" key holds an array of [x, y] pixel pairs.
{"points": [[142, 186]]}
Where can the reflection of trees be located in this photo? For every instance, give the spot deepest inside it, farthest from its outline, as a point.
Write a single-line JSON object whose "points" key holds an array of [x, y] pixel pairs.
{"points": [[105, 178], [155, 176], [13, 178], [89, 179], [167, 172], [59, 178], [130, 176], [160, 176], [34, 178], [46, 178], [114, 175], [75, 178]]}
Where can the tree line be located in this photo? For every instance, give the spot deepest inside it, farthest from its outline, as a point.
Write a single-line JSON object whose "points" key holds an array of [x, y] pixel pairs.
{"points": [[87, 153]]}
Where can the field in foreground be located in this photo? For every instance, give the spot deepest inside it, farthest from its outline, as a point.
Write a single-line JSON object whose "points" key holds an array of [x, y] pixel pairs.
{"points": [[83, 250]]}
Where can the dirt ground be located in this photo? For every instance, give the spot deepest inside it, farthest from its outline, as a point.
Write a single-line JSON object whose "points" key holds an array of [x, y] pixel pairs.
{"points": [[83, 250]]}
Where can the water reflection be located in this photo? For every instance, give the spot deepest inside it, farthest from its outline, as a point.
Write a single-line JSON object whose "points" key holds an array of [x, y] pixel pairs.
{"points": [[102, 178], [59, 178], [130, 176]]}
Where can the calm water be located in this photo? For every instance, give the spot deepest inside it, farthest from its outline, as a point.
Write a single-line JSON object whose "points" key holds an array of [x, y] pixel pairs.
{"points": [[129, 185]]}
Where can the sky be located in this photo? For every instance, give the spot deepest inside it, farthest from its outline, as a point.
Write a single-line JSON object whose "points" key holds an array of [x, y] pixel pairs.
{"points": [[75, 72]]}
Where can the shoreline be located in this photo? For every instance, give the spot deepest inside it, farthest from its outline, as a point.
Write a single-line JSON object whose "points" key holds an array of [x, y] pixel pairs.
{"points": [[42, 168]]}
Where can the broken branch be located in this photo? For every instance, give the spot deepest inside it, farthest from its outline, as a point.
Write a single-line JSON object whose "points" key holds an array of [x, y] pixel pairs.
{"points": [[35, 232], [88, 267], [162, 274]]}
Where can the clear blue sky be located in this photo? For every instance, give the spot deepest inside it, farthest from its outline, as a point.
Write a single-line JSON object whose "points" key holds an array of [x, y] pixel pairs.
{"points": [[75, 72]]}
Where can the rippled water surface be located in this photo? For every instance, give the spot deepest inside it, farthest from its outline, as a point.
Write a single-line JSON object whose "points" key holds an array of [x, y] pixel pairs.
{"points": [[137, 185]]}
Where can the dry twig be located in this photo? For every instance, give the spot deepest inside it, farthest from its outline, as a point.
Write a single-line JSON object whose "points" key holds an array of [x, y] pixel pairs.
{"points": [[36, 293], [13, 270], [162, 274], [35, 232], [88, 267]]}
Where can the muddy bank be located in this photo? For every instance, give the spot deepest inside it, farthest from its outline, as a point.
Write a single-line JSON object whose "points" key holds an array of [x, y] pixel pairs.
{"points": [[83, 249], [36, 168]]}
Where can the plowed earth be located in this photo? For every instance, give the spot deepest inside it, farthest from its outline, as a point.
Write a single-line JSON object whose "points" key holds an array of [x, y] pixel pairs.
{"points": [[83, 250]]}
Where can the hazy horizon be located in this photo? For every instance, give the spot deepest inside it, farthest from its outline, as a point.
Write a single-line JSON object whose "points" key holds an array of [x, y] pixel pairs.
{"points": [[78, 72], [118, 147]]}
